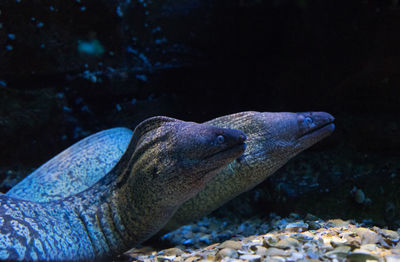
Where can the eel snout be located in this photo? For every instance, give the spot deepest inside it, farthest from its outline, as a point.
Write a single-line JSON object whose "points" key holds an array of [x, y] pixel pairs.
{"points": [[315, 125]]}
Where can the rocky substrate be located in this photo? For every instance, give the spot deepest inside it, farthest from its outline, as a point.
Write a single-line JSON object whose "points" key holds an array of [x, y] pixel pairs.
{"points": [[276, 239]]}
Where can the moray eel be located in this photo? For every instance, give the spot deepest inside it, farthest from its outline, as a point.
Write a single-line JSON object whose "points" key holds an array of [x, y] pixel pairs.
{"points": [[272, 140], [167, 162]]}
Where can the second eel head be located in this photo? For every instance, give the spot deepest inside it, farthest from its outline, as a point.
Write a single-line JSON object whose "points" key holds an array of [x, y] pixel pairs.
{"points": [[274, 138]]}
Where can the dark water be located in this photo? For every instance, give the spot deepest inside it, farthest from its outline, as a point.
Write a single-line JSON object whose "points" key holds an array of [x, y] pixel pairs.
{"points": [[70, 68]]}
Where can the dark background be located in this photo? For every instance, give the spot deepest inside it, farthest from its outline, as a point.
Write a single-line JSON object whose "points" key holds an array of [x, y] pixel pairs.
{"points": [[196, 60]]}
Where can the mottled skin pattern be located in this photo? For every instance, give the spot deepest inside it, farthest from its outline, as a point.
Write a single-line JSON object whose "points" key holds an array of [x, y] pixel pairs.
{"points": [[272, 140], [76, 168], [167, 162]]}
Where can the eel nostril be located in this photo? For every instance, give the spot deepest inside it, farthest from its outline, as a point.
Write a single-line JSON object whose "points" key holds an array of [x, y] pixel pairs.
{"points": [[242, 138]]}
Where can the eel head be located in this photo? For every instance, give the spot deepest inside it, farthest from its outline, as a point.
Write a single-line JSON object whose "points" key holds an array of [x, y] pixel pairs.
{"points": [[274, 138], [179, 157]]}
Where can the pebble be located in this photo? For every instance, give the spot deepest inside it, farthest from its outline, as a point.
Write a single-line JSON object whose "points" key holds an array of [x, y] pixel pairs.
{"points": [[251, 258], [271, 252], [332, 240], [227, 252], [367, 236], [299, 226], [173, 252], [392, 258], [389, 234], [287, 243], [231, 244], [261, 251]]}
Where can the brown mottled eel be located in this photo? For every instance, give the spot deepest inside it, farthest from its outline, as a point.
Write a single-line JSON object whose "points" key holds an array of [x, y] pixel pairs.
{"points": [[167, 162], [272, 140]]}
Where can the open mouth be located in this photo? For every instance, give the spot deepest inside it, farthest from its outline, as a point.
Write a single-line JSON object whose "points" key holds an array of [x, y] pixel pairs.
{"points": [[235, 150], [318, 131]]}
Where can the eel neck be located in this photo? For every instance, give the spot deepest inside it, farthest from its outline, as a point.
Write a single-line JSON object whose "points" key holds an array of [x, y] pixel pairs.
{"points": [[121, 210]]}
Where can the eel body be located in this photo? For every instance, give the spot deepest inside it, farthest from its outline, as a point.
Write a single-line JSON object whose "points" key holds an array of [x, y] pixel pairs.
{"points": [[166, 163], [75, 169], [272, 140]]}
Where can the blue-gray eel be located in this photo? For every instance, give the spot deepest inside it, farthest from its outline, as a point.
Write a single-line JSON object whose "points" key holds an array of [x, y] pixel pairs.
{"points": [[166, 163], [272, 140]]}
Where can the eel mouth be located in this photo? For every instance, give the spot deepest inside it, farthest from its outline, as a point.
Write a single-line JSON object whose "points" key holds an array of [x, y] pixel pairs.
{"points": [[231, 152], [319, 131]]}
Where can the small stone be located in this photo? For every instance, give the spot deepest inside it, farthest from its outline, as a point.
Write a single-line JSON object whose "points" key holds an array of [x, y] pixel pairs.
{"points": [[251, 258], [227, 252], [295, 256], [334, 240], [191, 259], [299, 226], [353, 241], [396, 251], [276, 259], [392, 258], [272, 251], [188, 235], [231, 244], [270, 240], [302, 237], [195, 227], [294, 215], [313, 225], [203, 229], [211, 257], [244, 252], [310, 217], [339, 252], [211, 247], [135, 252], [188, 241], [367, 236], [369, 247], [337, 223], [228, 259], [173, 252], [165, 258], [287, 243], [206, 239], [261, 251], [252, 245], [361, 257], [312, 253], [390, 234], [225, 235]]}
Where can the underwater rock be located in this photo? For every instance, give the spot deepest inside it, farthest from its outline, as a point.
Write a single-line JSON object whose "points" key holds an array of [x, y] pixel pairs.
{"points": [[231, 244], [227, 252]]}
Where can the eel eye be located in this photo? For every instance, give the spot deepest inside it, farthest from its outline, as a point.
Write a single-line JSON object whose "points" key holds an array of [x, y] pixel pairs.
{"points": [[220, 139], [308, 120]]}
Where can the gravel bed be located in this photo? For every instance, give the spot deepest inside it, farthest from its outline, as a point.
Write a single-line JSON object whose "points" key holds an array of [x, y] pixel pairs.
{"points": [[275, 239]]}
